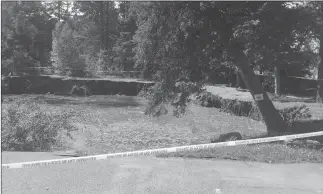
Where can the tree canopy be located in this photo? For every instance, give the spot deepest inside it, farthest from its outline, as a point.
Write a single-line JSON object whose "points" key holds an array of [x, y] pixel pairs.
{"points": [[177, 44]]}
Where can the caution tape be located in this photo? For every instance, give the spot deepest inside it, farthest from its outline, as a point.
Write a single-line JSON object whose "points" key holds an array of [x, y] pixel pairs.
{"points": [[157, 151]]}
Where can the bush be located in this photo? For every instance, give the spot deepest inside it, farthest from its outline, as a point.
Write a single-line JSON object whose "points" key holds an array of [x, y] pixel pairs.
{"points": [[268, 82], [290, 114], [80, 91], [26, 127], [295, 113], [236, 107], [74, 44], [208, 99], [4, 85]]}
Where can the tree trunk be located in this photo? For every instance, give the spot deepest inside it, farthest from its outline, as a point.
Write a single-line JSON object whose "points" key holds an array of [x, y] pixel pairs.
{"points": [[319, 97], [277, 81], [106, 26], [59, 10], [320, 74], [102, 24], [239, 83], [271, 116]]}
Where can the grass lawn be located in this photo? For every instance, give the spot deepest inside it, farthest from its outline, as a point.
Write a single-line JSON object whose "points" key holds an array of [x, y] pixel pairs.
{"points": [[268, 153], [110, 124]]}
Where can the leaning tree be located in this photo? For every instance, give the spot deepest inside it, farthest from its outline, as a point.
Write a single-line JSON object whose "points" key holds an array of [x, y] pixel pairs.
{"points": [[179, 42]]}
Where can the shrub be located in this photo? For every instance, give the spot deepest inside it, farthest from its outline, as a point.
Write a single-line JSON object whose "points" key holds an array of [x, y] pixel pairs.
{"points": [[295, 113], [4, 85], [85, 90], [268, 82], [26, 127], [80, 91], [290, 114], [74, 44], [208, 99], [76, 90], [236, 107]]}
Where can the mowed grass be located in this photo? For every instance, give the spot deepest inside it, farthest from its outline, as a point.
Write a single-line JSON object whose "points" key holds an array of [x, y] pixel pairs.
{"points": [[109, 124], [268, 153], [117, 123]]}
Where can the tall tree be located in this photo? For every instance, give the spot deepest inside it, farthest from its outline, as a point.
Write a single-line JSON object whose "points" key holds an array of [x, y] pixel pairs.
{"points": [[26, 32], [178, 39], [59, 9], [276, 44], [105, 15], [74, 33], [320, 72], [123, 48], [311, 21], [318, 6]]}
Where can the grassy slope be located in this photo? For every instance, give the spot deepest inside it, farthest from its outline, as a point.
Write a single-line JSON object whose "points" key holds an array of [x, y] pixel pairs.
{"points": [[115, 124], [271, 153]]}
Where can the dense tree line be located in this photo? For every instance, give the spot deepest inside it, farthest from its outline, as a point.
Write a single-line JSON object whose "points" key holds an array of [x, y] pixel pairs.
{"points": [[177, 44]]}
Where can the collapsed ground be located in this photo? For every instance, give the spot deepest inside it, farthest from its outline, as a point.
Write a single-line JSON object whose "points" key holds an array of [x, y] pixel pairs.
{"points": [[107, 124]]}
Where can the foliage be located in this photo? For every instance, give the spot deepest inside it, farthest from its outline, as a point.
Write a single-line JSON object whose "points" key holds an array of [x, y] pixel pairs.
{"points": [[177, 37], [180, 37], [207, 99], [105, 17], [178, 96], [268, 83], [292, 53], [237, 107], [80, 90], [26, 36], [74, 47], [123, 48], [295, 113], [96, 63], [58, 9], [27, 127], [4, 85]]}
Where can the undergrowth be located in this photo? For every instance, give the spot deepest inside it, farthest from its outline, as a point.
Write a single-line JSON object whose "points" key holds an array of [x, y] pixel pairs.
{"points": [[27, 127]]}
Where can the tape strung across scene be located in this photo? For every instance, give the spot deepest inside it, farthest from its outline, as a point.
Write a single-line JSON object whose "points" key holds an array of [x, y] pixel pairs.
{"points": [[157, 151]]}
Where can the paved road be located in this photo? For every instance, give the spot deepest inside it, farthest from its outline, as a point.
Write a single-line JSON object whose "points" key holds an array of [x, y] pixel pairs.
{"points": [[157, 175]]}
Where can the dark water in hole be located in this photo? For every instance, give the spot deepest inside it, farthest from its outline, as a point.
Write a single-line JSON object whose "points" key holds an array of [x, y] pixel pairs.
{"points": [[106, 101]]}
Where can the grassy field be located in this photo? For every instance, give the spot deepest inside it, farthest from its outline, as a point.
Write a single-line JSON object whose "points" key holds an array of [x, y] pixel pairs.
{"points": [[268, 153], [108, 124]]}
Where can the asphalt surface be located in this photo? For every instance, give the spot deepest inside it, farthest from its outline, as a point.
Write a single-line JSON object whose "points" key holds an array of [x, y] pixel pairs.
{"points": [[158, 175]]}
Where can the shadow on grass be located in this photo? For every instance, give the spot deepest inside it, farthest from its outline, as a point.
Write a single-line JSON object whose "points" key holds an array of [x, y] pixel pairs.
{"points": [[267, 153], [102, 101], [308, 126], [272, 152], [299, 127]]}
